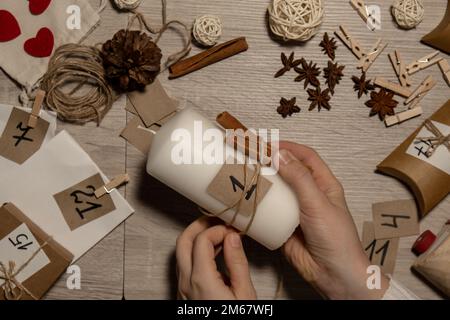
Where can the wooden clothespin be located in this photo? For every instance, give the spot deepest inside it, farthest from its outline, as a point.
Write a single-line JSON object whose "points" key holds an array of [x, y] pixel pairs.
{"points": [[423, 63], [366, 59], [351, 43], [394, 87], [36, 110], [399, 68], [403, 116], [113, 184], [361, 8], [370, 57], [420, 92], [445, 68]]}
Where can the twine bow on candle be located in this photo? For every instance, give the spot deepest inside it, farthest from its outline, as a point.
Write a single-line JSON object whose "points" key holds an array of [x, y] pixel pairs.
{"points": [[247, 186], [434, 142], [9, 274]]}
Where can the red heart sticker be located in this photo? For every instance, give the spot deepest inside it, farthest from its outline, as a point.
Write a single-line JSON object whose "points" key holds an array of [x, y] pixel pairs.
{"points": [[42, 45], [38, 6], [9, 27]]}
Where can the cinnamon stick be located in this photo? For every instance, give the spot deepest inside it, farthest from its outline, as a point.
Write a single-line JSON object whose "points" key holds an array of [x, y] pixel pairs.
{"points": [[228, 121], [208, 57]]}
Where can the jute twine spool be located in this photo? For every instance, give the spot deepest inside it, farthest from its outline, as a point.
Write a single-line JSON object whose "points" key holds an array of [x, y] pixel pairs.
{"points": [[127, 4], [207, 30], [408, 13], [297, 20], [76, 86]]}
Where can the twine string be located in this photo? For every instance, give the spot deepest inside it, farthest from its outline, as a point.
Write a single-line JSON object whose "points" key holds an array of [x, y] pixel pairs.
{"points": [[143, 25], [434, 142], [9, 274], [82, 66], [237, 205]]}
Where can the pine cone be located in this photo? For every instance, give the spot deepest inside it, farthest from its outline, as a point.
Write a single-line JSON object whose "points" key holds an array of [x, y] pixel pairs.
{"points": [[131, 60]]}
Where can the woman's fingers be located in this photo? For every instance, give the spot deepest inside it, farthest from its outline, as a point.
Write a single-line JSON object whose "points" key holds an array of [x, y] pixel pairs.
{"points": [[237, 265], [299, 177], [185, 243], [203, 254], [322, 174]]}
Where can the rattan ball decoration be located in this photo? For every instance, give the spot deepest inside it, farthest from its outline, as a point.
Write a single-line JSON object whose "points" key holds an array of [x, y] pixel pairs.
{"points": [[407, 13], [297, 20], [127, 4], [207, 30]]}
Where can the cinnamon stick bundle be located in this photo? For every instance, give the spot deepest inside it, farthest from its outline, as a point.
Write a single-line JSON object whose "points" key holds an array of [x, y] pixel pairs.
{"points": [[208, 57], [227, 121]]}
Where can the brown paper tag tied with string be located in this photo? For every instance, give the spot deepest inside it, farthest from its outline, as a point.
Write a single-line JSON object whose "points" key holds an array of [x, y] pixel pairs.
{"points": [[19, 141], [30, 259], [79, 205], [229, 183]]}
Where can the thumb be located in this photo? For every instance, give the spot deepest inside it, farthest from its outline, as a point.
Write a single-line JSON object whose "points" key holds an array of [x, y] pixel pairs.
{"points": [[300, 178], [237, 265]]}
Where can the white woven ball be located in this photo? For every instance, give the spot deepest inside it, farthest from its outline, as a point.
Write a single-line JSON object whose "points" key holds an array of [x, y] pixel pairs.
{"points": [[408, 13], [207, 30], [127, 4], [297, 20]]}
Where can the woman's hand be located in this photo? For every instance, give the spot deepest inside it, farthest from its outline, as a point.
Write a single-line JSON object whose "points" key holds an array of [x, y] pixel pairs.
{"points": [[325, 249], [198, 276]]}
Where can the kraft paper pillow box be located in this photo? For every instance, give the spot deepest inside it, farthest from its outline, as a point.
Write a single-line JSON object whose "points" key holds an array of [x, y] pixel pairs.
{"points": [[427, 177], [20, 240]]}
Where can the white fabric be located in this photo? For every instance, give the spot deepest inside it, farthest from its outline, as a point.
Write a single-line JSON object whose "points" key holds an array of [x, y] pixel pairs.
{"points": [[22, 67], [397, 291]]}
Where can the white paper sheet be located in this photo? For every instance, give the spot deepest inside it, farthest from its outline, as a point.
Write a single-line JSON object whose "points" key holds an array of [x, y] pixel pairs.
{"points": [[19, 246], [6, 166], [60, 164], [441, 157]]}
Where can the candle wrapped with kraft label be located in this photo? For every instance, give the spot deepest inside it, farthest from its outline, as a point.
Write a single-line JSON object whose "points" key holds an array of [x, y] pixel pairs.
{"points": [[422, 161], [190, 154]]}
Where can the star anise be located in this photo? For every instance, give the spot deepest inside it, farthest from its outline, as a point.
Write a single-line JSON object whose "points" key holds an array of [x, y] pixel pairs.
{"points": [[319, 99], [382, 103], [288, 107], [288, 64], [328, 46], [308, 72], [333, 74], [362, 86]]}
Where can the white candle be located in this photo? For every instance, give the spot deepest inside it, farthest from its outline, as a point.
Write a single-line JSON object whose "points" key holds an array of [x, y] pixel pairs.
{"points": [[277, 215]]}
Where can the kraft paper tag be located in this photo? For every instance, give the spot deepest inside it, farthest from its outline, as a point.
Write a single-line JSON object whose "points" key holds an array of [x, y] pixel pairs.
{"points": [[20, 239], [138, 135], [380, 252], [18, 141], [79, 205], [441, 157], [228, 185], [19, 246], [152, 104], [395, 219]]}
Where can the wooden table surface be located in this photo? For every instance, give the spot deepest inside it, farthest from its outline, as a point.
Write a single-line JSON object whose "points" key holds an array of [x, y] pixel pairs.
{"points": [[136, 261]]}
